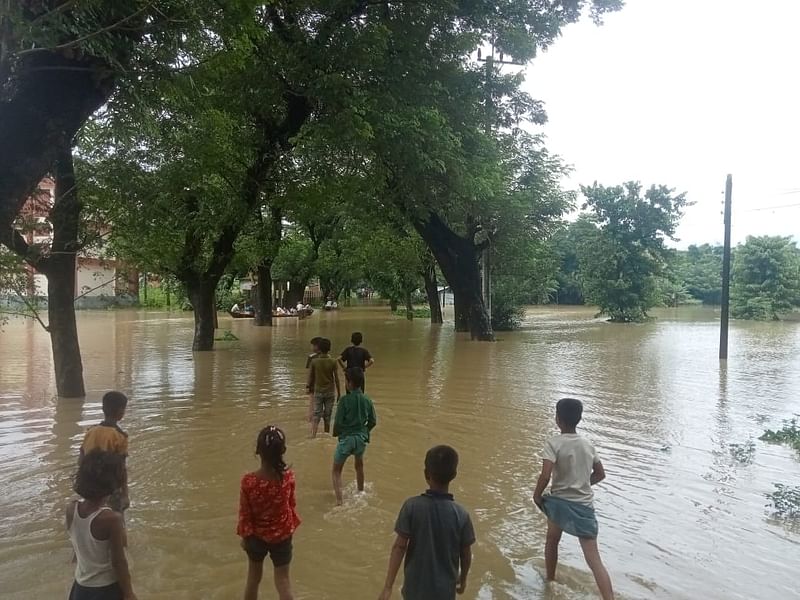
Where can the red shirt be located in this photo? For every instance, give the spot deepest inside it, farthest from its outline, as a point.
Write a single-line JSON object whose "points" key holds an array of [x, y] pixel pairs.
{"points": [[267, 508]]}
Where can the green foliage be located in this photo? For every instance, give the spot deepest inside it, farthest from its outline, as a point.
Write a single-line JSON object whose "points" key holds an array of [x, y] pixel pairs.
{"points": [[565, 243], [227, 336], [743, 453], [789, 435], [417, 313], [507, 301], [785, 500], [295, 259], [700, 270], [620, 263], [765, 278]]}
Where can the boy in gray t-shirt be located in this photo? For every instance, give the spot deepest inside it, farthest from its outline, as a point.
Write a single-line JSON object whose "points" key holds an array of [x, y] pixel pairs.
{"points": [[435, 536]]}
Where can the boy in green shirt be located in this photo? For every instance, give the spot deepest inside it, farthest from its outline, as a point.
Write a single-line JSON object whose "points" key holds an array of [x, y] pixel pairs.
{"points": [[355, 418]]}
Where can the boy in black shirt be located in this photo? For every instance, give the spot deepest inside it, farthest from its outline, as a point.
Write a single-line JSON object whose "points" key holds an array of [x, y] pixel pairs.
{"points": [[355, 355]]}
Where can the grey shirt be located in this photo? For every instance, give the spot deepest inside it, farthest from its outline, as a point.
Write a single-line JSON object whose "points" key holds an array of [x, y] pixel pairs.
{"points": [[437, 528]]}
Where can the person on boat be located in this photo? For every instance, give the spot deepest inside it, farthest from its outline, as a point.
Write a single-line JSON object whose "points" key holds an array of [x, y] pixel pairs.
{"points": [[235, 308]]}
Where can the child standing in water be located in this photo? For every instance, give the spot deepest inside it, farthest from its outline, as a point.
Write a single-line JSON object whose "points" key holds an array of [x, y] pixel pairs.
{"points": [[267, 515], [323, 382], [355, 418], [434, 535], [355, 355], [97, 533], [314, 353], [574, 466], [108, 437]]}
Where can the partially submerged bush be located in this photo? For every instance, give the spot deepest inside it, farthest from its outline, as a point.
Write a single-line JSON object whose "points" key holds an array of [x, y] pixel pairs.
{"points": [[789, 434], [785, 500]]}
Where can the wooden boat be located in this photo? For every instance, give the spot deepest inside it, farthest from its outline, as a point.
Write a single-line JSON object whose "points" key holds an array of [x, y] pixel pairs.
{"points": [[242, 314]]}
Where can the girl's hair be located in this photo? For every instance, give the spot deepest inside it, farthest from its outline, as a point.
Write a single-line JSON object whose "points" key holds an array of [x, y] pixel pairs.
{"points": [[271, 446], [100, 474]]}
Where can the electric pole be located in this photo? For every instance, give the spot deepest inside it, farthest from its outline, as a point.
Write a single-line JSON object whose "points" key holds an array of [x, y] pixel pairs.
{"points": [[726, 274], [490, 60]]}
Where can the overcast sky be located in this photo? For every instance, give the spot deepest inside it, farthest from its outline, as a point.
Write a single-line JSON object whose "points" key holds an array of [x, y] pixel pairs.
{"points": [[682, 92]]}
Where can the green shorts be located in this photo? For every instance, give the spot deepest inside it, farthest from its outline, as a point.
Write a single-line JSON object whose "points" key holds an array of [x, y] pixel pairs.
{"points": [[350, 444]]}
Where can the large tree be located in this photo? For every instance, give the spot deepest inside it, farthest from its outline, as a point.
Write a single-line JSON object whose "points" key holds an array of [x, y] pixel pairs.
{"points": [[620, 266], [218, 135], [766, 278], [439, 125], [59, 61]]}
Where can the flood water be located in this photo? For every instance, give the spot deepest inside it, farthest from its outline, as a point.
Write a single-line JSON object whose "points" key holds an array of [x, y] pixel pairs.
{"points": [[680, 517]]}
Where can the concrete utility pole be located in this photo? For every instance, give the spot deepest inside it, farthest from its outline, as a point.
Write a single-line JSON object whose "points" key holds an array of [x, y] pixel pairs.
{"points": [[726, 274], [490, 60]]}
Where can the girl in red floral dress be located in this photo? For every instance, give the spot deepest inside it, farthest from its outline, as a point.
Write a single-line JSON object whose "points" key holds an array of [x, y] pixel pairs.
{"points": [[267, 516]]}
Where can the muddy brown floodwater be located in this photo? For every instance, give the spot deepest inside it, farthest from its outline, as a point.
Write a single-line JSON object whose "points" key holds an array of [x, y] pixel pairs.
{"points": [[680, 517]]}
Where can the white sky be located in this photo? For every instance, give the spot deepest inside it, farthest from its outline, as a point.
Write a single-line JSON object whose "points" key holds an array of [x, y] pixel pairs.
{"points": [[683, 92]]}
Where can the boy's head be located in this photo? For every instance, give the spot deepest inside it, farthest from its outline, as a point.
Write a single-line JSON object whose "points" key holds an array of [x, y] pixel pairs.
{"points": [[568, 413], [356, 338], [315, 344], [354, 379], [100, 474], [324, 345], [441, 465], [114, 404]]}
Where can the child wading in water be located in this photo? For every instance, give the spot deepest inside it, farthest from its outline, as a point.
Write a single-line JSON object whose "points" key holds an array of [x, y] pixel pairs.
{"points": [[434, 534], [267, 516], [97, 533], [574, 466], [314, 353], [323, 383], [355, 418], [108, 436]]}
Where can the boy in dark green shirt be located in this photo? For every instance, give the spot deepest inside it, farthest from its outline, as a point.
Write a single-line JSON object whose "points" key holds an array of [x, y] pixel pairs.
{"points": [[355, 418]]}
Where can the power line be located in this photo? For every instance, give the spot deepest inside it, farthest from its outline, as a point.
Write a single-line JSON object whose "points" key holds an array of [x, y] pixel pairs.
{"points": [[776, 207]]}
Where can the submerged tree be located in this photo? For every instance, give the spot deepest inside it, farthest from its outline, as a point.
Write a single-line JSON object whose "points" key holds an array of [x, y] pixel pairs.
{"points": [[766, 278], [620, 265]]}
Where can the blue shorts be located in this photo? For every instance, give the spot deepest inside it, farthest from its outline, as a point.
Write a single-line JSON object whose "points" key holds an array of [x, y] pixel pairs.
{"points": [[349, 444]]}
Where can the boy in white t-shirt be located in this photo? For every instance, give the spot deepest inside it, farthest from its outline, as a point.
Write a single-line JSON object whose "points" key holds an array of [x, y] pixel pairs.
{"points": [[574, 466]]}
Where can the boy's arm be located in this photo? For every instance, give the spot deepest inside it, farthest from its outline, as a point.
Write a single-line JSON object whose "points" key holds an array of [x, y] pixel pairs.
{"points": [[338, 419], [336, 379], [466, 563], [544, 479], [372, 418], [310, 384], [598, 473], [341, 362], [118, 559], [395, 560]]}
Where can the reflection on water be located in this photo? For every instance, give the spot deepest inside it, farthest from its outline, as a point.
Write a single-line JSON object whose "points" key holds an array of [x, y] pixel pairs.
{"points": [[679, 516]]}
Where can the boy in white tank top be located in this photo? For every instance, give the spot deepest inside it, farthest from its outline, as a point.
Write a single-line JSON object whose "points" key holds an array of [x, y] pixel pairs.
{"points": [[97, 533]]}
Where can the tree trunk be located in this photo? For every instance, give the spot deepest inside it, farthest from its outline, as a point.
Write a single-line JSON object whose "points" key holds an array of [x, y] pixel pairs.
{"points": [[202, 297], [263, 296], [393, 304], [409, 308], [432, 291], [458, 257], [459, 312], [295, 293], [60, 272]]}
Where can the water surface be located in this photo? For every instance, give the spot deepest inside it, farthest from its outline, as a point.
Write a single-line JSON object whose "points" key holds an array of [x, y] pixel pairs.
{"points": [[680, 518]]}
